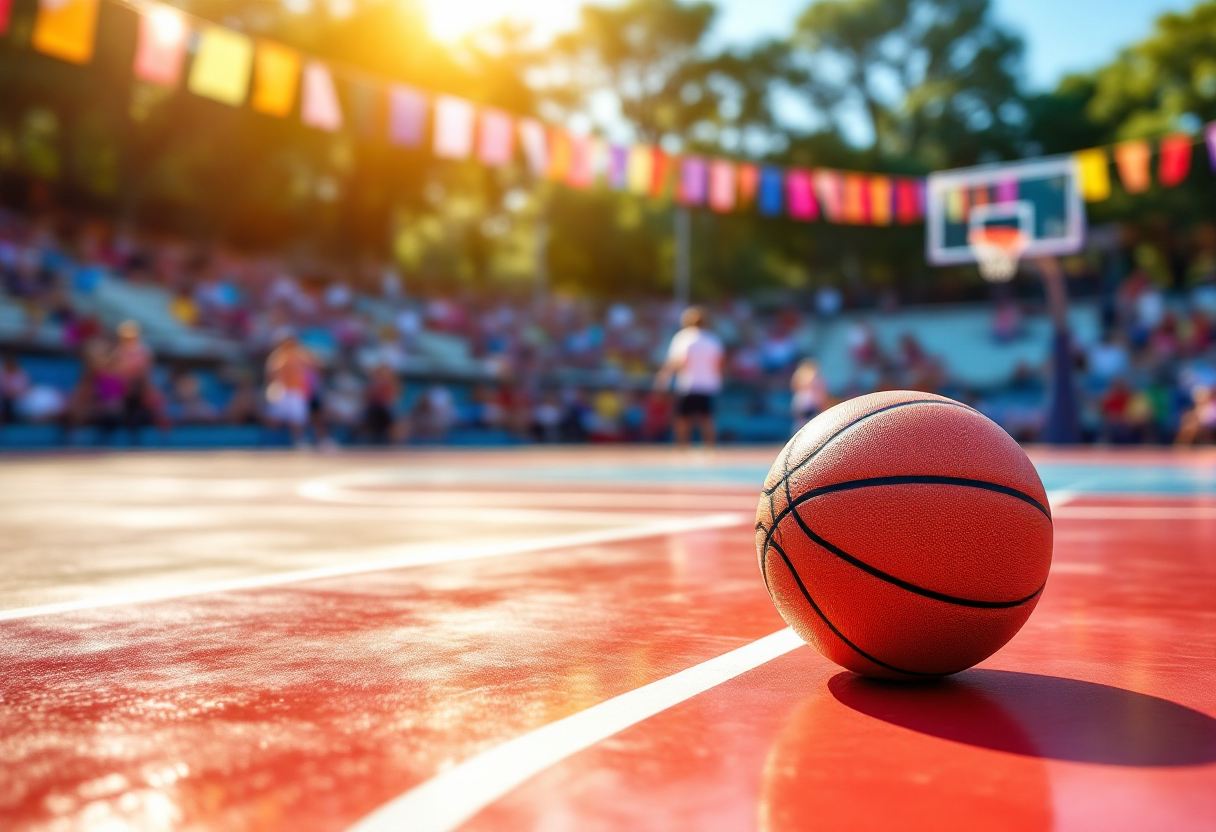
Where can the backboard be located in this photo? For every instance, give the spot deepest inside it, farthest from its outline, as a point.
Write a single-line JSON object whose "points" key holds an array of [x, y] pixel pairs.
{"points": [[1041, 198]]}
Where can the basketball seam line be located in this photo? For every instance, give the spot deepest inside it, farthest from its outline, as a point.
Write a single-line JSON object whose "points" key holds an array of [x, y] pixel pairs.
{"points": [[856, 421], [807, 595], [902, 584], [878, 573]]}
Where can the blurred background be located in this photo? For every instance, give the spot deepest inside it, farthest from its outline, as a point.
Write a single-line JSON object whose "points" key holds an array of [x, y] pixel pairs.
{"points": [[480, 222]]}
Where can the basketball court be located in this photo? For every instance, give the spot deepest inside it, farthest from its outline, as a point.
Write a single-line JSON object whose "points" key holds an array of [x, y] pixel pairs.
{"points": [[561, 640]]}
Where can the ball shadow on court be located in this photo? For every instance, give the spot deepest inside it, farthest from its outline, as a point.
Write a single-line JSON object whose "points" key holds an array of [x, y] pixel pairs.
{"points": [[1039, 716]]}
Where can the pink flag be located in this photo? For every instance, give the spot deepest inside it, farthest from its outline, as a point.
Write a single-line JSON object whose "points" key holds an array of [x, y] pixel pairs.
{"points": [[454, 118], [496, 145], [319, 107], [828, 187], [162, 46], [6, 11], [1007, 190], [535, 141], [799, 195], [406, 116], [1210, 134], [692, 180], [1175, 163], [722, 189], [581, 170]]}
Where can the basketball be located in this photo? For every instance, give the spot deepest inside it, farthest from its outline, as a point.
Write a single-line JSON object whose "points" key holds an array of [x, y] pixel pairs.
{"points": [[904, 535]]}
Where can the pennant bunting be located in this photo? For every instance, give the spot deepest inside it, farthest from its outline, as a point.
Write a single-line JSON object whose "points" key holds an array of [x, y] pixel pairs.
{"points": [[600, 159], [1209, 133], [660, 173], [535, 142], [800, 195], [749, 182], [495, 139], [640, 174], [559, 154], [618, 167], [722, 186], [956, 205], [1093, 174], [855, 207], [772, 187], [1132, 159], [907, 203], [319, 105], [366, 107], [692, 180], [1007, 191], [276, 74], [161, 48], [979, 196], [1174, 165], [454, 118], [406, 116], [66, 29], [580, 173], [221, 66], [6, 12], [829, 190], [880, 200]]}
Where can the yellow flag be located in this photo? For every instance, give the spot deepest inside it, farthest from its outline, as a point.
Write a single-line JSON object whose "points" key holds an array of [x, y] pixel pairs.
{"points": [[276, 76], [221, 66], [1093, 170], [66, 29], [639, 170]]}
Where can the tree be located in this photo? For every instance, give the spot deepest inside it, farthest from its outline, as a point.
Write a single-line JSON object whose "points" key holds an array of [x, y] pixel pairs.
{"points": [[648, 55], [932, 79]]}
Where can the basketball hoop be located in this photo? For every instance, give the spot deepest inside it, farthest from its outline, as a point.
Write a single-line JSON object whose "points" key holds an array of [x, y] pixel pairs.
{"points": [[997, 248]]}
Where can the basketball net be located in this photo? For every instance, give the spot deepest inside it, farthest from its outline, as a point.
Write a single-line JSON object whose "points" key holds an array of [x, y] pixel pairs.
{"points": [[997, 248]]}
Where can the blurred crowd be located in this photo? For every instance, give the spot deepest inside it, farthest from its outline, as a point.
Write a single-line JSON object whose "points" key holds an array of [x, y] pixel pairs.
{"points": [[311, 353]]}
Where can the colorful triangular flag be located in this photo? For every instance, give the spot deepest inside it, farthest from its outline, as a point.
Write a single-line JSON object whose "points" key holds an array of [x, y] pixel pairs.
{"points": [[454, 120], [1174, 165], [66, 29], [1133, 158], [275, 78], [161, 49]]}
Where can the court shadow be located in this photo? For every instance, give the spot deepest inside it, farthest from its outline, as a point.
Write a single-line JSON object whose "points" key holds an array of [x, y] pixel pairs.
{"points": [[1039, 716]]}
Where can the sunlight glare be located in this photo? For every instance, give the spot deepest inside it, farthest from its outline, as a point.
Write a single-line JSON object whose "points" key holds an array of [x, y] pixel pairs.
{"points": [[450, 20]]}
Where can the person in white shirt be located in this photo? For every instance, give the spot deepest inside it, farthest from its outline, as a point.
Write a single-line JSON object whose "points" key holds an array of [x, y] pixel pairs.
{"points": [[695, 359]]}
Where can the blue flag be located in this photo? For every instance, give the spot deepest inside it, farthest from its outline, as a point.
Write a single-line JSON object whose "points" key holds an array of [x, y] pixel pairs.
{"points": [[772, 184]]}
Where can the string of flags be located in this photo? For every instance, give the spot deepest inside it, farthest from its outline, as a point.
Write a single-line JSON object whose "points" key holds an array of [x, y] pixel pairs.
{"points": [[1133, 162], [235, 69]]}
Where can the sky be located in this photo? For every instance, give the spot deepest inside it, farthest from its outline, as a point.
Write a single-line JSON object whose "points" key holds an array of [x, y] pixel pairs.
{"points": [[1061, 35]]}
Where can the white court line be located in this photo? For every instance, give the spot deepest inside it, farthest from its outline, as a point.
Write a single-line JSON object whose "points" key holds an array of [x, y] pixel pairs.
{"points": [[422, 554], [1138, 513], [447, 800]]}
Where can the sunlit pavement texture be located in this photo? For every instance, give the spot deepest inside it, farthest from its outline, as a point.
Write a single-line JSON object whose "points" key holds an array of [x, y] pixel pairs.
{"points": [[297, 642]]}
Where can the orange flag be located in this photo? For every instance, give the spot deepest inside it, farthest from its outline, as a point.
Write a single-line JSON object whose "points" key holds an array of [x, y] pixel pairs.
{"points": [[560, 152], [1132, 159], [66, 29], [276, 76], [1175, 163], [880, 200], [856, 199], [749, 183]]}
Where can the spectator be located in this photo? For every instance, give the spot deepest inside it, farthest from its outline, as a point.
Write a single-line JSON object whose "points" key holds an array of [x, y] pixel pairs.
{"points": [[291, 372], [189, 407], [810, 392], [14, 385], [380, 423]]}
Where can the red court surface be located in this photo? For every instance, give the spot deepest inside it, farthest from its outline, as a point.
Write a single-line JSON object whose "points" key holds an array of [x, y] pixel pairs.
{"points": [[543, 640]]}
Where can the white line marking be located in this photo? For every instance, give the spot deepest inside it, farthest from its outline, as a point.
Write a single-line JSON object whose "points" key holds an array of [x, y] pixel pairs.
{"points": [[423, 554], [1064, 496], [447, 800], [1138, 513]]}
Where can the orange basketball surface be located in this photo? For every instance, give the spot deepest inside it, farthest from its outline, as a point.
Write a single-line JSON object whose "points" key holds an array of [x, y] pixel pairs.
{"points": [[904, 535]]}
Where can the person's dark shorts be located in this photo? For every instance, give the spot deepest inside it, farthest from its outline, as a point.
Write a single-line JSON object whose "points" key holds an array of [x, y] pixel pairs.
{"points": [[695, 404]]}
